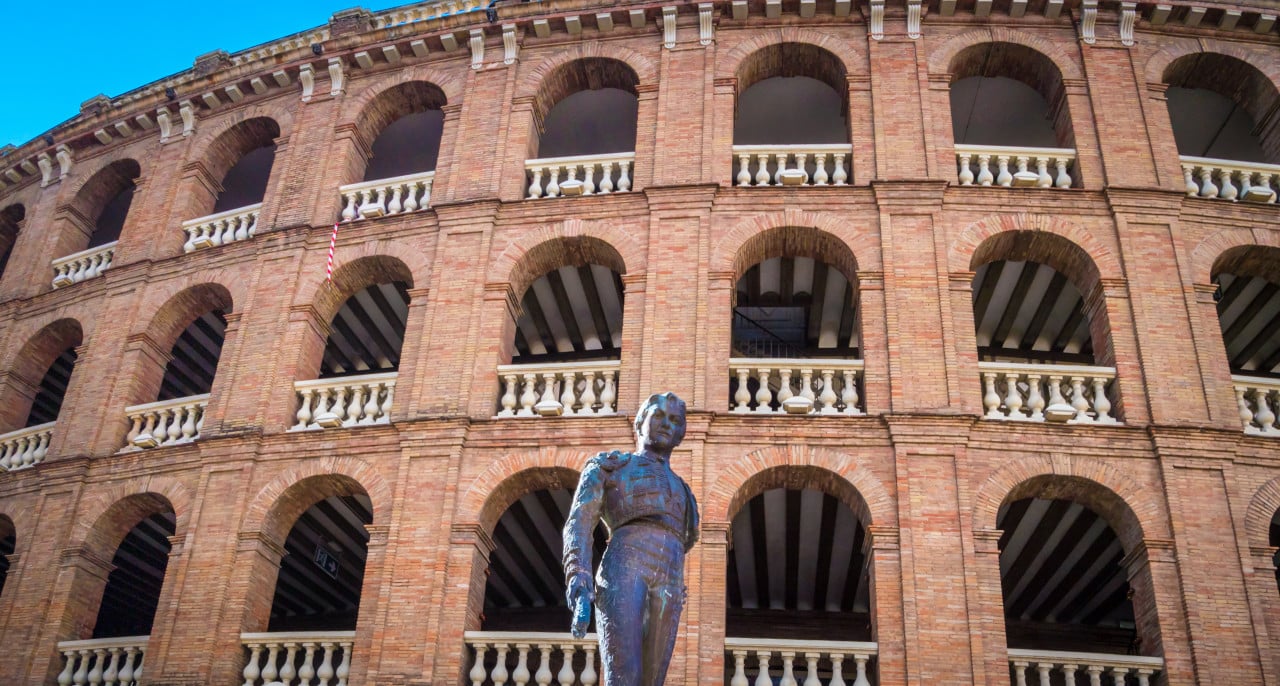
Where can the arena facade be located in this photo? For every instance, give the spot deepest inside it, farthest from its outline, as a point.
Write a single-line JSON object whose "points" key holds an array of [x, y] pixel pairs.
{"points": [[975, 305]]}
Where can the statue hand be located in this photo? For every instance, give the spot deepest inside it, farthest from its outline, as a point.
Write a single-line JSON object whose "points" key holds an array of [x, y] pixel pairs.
{"points": [[580, 594]]}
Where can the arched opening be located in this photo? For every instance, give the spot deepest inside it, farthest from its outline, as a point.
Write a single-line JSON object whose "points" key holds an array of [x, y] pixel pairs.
{"points": [[1222, 110], [315, 546], [791, 117], [796, 331], [1009, 118], [585, 118], [401, 130], [360, 357], [132, 593], [798, 571], [1273, 539], [1064, 580], [524, 582], [8, 543], [244, 154], [1248, 298], [569, 327], [11, 219], [1037, 304], [33, 395], [98, 214]]}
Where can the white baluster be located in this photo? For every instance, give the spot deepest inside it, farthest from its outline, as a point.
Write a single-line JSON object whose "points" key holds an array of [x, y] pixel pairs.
{"points": [[744, 172], [566, 676], [624, 185], [325, 673], [355, 405], [1264, 416], [1044, 668], [820, 169], [588, 398], [811, 669], [840, 176], [1207, 189], [1043, 180], [806, 385], [499, 673], [535, 185], [548, 403], [269, 672], [81, 676], [529, 398], [304, 407], [553, 190], [991, 399], [762, 669], [1004, 178], [784, 387], [1242, 407], [95, 674], [837, 670], [242, 231], [253, 223], [849, 393], [1063, 179], [397, 203], [763, 394], [762, 172], [508, 396], [175, 425], [1035, 401], [64, 677], [1189, 181], [966, 174], [384, 412], [543, 675], [984, 170], [113, 668], [1101, 405], [287, 670], [861, 678], [739, 668], [606, 177], [478, 672], [1228, 191], [782, 158], [828, 396], [344, 669], [521, 675], [129, 673], [251, 671], [788, 676], [1095, 675], [306, 671], [411, 198], [190, 245], [589, 671], [1144, 677], [742, 396], [608, 395], [568, 392], [161, 433], [228, 227], [1078, 400], [800, 165], [371, 406], [588, 179], [349, 208]]}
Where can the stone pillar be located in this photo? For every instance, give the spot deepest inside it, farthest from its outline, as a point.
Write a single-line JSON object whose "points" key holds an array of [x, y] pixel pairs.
{"points": [[219, 392], [648, 158], [1159, 134], [883, 549], [414, 377], [1108, 309], [1264, 612], [249, 589], [495, 346], [633, 326], [986, 617], [469, 549], [442, 184], [967, 374], [478, 149], [709, 595], [896, 107], [1117, 113], [78, 583], [718, 320], [369, 630], [1158, 608], [874, 343], [682, 105]]}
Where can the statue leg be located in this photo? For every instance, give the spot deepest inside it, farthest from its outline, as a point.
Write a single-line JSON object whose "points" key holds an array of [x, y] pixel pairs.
{"points": [[620, 607], [665, 601]]}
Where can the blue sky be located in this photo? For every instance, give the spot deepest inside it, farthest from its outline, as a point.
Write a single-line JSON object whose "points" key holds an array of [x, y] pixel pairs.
{"points": [[57, 56]]}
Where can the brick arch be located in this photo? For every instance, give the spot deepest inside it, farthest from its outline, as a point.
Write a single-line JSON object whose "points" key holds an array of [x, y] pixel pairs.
{"points": [[387, 100], [185, 300], [359, 266], [1211, 254], [572, 242], [863, 246], [278, 505], [534, 82], [506, 479], [108, 516], [1096, 261], [798, 466], [1262, 508], [9, 527], [1260, 59], [97, 189], [851, 58], [942, 58], [1114, 495], [28, 362], [219, 130], [451, 86]]}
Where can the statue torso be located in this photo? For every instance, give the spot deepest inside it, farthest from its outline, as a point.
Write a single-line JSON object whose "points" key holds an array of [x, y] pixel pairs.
{"points": [[644, 488]]}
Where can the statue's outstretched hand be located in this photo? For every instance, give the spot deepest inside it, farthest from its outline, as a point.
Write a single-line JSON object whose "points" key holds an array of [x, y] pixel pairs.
{"points": [[580, 594]]}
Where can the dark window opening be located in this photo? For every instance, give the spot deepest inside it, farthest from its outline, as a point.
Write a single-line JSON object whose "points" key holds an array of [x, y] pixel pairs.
{"points": [[409, 145], [322, 572], [194, 357], [53, 386], [111, 220], [571, 313], [790, 110], [590, 122], [795, 307], [246, 182], [1025, 311], [133, 588], [367, 333]]}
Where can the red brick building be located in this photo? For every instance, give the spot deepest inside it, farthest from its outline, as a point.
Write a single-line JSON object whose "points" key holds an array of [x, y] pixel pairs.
{"points": [[974, 305]]}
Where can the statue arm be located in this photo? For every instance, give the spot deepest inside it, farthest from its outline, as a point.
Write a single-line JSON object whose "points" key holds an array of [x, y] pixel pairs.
{"points": [[584, 514], [691, 520]]}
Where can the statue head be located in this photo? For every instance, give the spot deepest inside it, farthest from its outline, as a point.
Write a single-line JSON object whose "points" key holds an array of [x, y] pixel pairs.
{"points": [[660, 423]]}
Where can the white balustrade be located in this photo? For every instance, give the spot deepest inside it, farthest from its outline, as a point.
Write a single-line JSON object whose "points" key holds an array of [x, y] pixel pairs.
{"points": [[224, 227], [85, 264], [384, 197], [347, 401], [298, 658], [553, 177], [809, 662], [1259, 403], [103, 661], [422, 11], [998, 165], [792, 165], [25, 447], [569, 389], [1205, 177], [168, 422], [1043, 667], [503, 657], [790, 386], [1075, 394]]}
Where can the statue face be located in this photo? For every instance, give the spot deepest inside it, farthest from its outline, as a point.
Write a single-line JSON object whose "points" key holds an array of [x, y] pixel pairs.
{"points": [[663, 426]]}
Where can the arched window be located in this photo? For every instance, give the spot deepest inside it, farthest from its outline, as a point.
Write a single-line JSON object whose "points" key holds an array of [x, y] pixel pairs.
{"points": [[1009, 118], [585, 119], [1221, 109], [11, 219], [99, 213], [402, 128], [132, 592], [796, 331], [1037, 306], [1248, 299], [791, 118], [241, 157], [33, 396], [8, 543], [567, 336]]}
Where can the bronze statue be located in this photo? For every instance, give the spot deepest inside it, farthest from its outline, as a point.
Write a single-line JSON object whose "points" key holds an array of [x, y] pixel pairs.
{"points": [[653, 521]]}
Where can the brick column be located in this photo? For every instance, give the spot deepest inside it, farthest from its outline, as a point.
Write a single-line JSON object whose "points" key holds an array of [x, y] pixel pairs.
{"points": [[1264, 609], [633, 326], [986, 619], [685, 92], [414, 376], [718, 320], [468, 559], [1118, 116], [220, 392], [495, 345], [709, 594], [369, 630], [1159, 608], [965, 341], [79, 580], [883, 550], [874, 341]]}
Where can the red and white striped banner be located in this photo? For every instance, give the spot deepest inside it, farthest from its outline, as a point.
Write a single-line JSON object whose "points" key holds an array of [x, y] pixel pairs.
{"points": [[333, 241]]}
